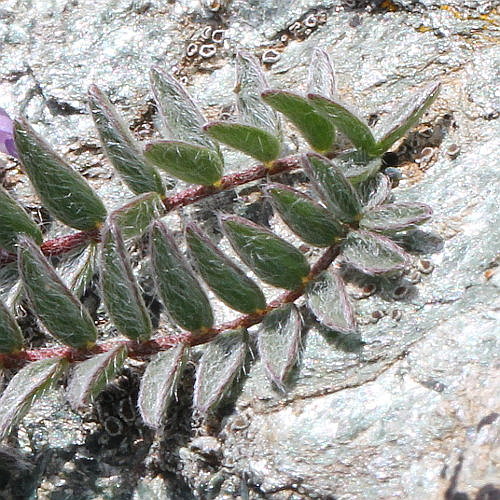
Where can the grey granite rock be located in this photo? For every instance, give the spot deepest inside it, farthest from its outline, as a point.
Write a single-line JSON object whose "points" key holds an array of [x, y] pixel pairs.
{"points": [[407, 410]]}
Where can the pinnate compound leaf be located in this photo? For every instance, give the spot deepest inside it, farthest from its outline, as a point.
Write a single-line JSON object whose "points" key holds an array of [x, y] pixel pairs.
{"points": [[394, 217], [159, 383], [88, 378], [63, 191], [250, 83], [316, 129], [255, 142], [322, 79], [121, 148], [58, 309], [271, 258], [346, 121], [398, 123], [333, 187], [180, 291], [29, 384], [279, 342], [310, 221], [373, 254], [11, 338], [226, 279], [328, 300], [120, 291], [188, 162], [134, 217], [374, 191], [14, 221], [221, 361], [180, 114]]}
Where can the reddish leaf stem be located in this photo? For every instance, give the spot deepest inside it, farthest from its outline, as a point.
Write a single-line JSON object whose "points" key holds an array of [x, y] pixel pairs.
{"points": [[65, 244], [145, 349]]}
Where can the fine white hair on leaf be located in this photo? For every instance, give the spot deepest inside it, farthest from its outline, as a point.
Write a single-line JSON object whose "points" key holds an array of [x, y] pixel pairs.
{"points": [[278, 343], [220, 363]]}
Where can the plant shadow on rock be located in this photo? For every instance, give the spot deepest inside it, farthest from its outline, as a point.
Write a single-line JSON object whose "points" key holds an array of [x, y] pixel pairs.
{"points": [[18, 479], [120, 441]]}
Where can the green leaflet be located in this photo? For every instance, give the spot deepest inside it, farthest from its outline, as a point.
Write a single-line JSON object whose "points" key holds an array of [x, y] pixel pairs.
{"points": [[226, 279], [357, 167], [328, 300], [180, 291], [346, 121], [159, 383], [121, 148], [14, 221], [59, 310], [10, 285], [134, 217], [271, 258], [78, 272], [279, 341], [29, 384], [306, 218], [188, 162], [120, 291], [258, 132], [316, 129], [321, 79], [63, 191], [397, 124], [221, 361], [180, 114], [11, 338], [374, 191], [255, 142], [91, 376], [250, 83], [394, 217], [331, 184], [373, 254]]}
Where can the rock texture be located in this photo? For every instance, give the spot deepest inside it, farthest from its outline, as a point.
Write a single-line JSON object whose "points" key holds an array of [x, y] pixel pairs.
{"points": [[410, 409]]}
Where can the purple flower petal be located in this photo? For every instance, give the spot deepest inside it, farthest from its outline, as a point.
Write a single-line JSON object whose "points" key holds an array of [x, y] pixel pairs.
{"points": [[7, 144]]}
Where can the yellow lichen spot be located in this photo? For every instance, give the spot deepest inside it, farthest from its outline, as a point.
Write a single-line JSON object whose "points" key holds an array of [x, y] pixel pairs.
{"points": [[451, 9], [269, 164], [486, 18], [481, 17], [306, 279], [424, 29], [260, 312], [217, 184], [388, 5]]}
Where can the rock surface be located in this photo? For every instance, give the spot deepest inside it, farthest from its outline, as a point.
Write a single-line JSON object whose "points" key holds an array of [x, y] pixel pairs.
{"points": [[408, 410]]}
